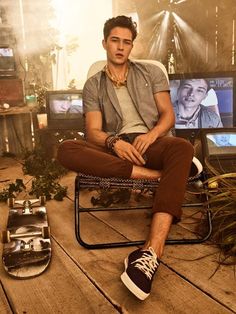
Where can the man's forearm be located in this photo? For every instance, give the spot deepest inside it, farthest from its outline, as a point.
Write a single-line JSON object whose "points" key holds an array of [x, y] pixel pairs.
{"points": [[164, 124], [166, 114], [97, 137]]}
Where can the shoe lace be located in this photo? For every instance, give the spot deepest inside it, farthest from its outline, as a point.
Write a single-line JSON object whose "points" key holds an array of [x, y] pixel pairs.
{"points": [[147, 263]]}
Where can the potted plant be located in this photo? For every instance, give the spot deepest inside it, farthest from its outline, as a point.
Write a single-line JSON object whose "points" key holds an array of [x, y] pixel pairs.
{"points": [[39, 93]]}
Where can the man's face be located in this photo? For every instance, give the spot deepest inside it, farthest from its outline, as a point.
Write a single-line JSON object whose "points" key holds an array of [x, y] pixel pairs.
{"points": [[192, 92], [118, 45], [60, 106]]}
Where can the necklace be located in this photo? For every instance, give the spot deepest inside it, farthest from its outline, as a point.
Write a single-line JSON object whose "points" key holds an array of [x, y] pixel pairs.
{"points": [[118, 82]]}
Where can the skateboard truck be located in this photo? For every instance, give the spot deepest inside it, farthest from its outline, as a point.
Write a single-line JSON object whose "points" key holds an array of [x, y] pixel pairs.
{"points": [[26, 203], [7, 236]]}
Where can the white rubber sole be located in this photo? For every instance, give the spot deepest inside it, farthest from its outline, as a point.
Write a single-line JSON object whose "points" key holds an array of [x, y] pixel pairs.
{"points": [[131, 285], [198, 165]]}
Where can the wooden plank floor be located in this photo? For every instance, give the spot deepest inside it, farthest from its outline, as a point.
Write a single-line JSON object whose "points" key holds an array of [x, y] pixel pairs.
{"points": [[88, 281]]}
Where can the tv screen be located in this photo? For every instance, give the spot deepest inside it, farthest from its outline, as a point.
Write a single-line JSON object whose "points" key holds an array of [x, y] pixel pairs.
{"points": [[7, 61], [203, 100], [219, 142], [222, 142], [64, 109]]}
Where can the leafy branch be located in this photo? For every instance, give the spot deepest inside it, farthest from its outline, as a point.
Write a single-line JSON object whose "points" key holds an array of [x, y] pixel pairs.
{"points": [[46, 174], [12, 190]]}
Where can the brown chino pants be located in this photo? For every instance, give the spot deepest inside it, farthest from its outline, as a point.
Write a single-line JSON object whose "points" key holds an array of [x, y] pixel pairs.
{"points": [[172, 155]]}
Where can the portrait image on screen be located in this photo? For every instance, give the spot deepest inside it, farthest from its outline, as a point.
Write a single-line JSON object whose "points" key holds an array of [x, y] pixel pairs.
{"points": [[202, 101], [64, 109], [65, 106]]}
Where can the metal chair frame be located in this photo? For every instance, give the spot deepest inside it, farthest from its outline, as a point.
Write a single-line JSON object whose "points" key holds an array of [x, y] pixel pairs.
{"points": [[87, 181]]}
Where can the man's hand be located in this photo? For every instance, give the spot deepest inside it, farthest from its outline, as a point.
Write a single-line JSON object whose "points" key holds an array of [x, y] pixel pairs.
{"points": [[143, 141], [127, 151]]}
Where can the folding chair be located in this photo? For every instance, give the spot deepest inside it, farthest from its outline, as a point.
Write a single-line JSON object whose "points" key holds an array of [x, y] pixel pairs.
{"points": [[83, 181]]}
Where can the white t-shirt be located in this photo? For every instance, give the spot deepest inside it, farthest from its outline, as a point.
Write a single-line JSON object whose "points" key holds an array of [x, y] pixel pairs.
{"points": [[132, 121]]}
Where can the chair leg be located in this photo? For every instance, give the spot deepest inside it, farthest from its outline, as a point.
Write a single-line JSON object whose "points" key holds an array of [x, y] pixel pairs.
{"points": [[97, 245], [129, 242]]}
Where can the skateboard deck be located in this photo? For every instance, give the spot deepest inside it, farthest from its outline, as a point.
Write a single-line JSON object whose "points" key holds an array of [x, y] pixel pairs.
{"points": [[26, 240]]}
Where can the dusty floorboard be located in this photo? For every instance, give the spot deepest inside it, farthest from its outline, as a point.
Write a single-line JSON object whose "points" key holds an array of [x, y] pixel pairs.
{"points": [[87, 281]]}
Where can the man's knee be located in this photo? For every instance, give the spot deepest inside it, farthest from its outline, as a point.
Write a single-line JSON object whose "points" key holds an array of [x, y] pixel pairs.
{"points": [[179, 149], [67, 148], [185, 146]]}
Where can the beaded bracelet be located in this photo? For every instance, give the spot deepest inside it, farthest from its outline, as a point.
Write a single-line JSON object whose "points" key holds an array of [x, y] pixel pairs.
{"points": [[115, 139], [107, 141], [110, 142]]}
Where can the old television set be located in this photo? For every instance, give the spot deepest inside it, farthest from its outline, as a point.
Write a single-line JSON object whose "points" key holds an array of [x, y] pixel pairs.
{"points": [[7, 61], [219, 149], [221, 99], [219, 142], [64, 110]]}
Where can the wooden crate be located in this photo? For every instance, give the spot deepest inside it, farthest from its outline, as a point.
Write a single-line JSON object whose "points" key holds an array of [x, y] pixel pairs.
{"points": [[11, 91]]}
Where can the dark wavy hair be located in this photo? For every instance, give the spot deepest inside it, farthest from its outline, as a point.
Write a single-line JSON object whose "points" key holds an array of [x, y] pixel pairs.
{"points": [[120, 21]]}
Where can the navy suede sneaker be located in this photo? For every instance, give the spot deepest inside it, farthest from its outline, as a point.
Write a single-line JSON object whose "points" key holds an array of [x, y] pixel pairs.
{"points": [[140, 268]]}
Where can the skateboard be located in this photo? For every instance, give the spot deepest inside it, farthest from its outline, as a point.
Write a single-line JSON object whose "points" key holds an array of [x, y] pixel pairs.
{"points": [[26, 240]]}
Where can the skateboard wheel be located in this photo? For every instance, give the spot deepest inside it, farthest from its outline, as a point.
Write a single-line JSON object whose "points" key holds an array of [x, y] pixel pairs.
{"points": [[6, 237], [10, 202], [42, 200], [46, 232]]}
